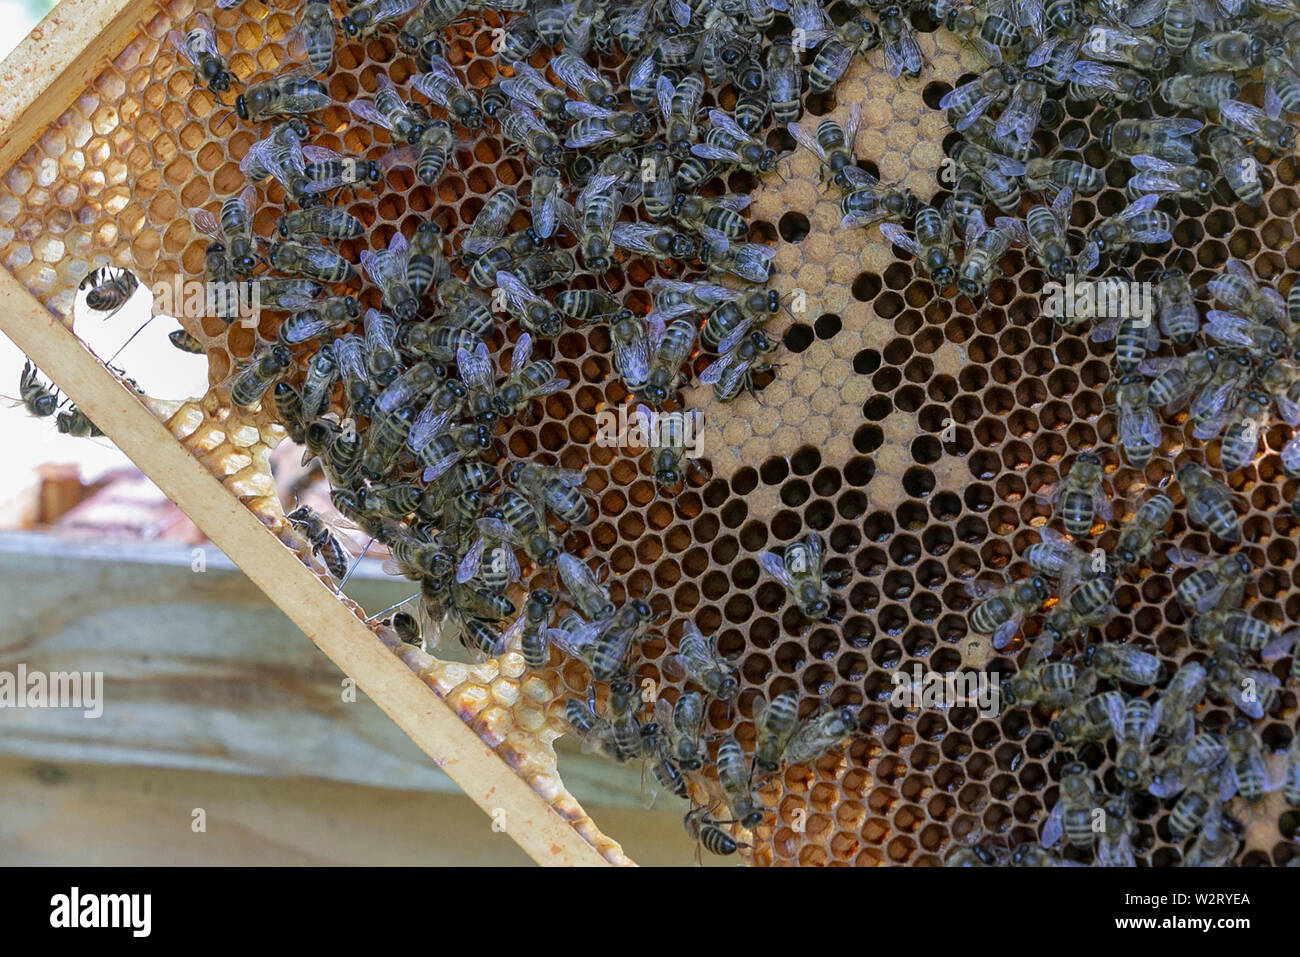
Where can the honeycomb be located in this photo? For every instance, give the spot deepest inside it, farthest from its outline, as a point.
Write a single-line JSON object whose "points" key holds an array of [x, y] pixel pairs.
{"points": [[845, 440]]}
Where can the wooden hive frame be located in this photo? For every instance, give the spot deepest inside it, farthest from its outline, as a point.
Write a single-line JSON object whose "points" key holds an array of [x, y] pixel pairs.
{"points": [[38, 82]]}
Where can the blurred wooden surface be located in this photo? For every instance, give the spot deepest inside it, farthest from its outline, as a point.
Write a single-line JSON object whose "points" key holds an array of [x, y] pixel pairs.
{"points": [[210, 690], [99, 815]]}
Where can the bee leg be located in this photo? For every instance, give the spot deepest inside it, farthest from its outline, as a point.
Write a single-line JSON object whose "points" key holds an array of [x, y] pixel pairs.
{"points": [[381, 614]]}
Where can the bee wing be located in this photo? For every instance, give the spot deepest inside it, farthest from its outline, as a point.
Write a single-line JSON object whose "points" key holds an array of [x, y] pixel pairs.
{"points": [[1152, 163], [575, 574], [710, 152], [518, 296], [1016, 227], [632, 357], [1242, 113], [634, 236], [589, 137], [900, 237], [1141, 205], [574, 72], [366, 110], [475, 367], [729, 366], [681, 12], [732, 339], [724, 122], [1007, 631], [182, 46], [1053, 827], [1228, 328], [405, 157], [1115, 715], [469, 565], [1088, 258], [428, 425], [772, 564], [521, 353], [205, 221]]}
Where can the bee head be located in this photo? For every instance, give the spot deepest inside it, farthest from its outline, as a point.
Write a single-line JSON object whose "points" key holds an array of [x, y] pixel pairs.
{"points": [[219, 82], [969, 286], [407, 309], [241, 107], [543, 596], [352, 23], [943, 275], [768, 161]]}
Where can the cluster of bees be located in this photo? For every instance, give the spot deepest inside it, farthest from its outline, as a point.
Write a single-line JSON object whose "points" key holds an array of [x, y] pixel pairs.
{"points": [[401, 403], [383, 368]]}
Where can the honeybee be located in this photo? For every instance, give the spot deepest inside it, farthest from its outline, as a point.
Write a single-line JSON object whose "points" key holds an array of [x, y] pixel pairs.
{"points": [[39, 399], [1205, 91], [748, 261], [290, 94], [1252, 690], [1083, 604], [1115, 842], [1081, 497], [898, 39], [932, 244], [1190, 757], [697, 660], [785, 80], [591, 598], [76, 423], [774, 725], [318, 222], [582, 79], [199, 46], [366, 17], [726, 142], [819, 733], [1138, 427], [969, 101], [1071, 816], [108, 289], [552, 488], [1209, 502], [991, 33], [1003, 608], [1241, 630], [1041, 682], [1164, 138], [740, 361], [525, 131], [683, 724], [1230, 51], [870, 202], [657, 242], [1237, 289], [1246, 772], [325, 543], [1216, 844], [799, 571], [265, 366], [1019, 118], [1237, 164], [1179, 318], [1108, 83], [836, 51], [1220, 582], [1087, 717], [735, 779], [985, 248], [595, 733], [387, 269], [1139, 222], [443, 88], [705, 831], [1056, 556], [1118, 45], [1161, 176], [1291, 781], [1137, 536], [314, 35], [310, 262], [1257, 126], [233, 228]]}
